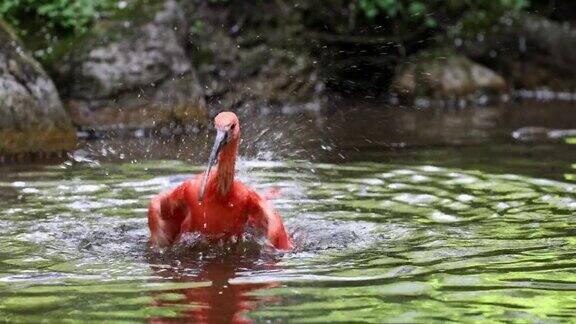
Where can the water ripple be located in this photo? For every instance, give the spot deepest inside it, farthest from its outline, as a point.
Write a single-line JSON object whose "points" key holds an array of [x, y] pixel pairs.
{"points": [[414, 243]]}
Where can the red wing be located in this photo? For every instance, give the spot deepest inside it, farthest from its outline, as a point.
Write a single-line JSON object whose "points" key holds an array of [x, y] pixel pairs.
{"points": [[267, 219], [166, 212]]}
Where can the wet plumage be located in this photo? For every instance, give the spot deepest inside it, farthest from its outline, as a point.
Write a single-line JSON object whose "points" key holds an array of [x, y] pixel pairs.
{"points": [[214, 203]]}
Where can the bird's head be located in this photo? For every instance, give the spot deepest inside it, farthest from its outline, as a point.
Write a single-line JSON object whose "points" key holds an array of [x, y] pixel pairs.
{"points": [[227, 122], [227, 132]]}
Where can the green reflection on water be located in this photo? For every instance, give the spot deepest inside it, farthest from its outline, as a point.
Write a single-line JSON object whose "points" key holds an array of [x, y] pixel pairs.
{"points": [[377, 241]]}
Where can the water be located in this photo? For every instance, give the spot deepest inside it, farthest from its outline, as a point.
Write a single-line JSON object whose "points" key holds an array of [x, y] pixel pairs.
{"points": [[394, 220]]}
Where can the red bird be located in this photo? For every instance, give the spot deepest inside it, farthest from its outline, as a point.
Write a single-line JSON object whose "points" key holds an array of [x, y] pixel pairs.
{"points": [[215, 205]]}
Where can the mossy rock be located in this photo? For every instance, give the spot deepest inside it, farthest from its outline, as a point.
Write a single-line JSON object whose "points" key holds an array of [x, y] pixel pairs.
{"points": [[32, 118], [128, 64], [442, 74], [239, 71]]}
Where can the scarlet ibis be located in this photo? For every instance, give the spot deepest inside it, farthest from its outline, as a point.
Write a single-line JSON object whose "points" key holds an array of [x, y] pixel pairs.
{"points": [[215, 204]]}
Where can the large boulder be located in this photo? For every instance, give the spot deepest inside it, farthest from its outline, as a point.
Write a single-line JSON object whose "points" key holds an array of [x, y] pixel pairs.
{"points": [[132, 71], [247, 59], [533, 52], [445, 76], [257, 75], [32, 118]]}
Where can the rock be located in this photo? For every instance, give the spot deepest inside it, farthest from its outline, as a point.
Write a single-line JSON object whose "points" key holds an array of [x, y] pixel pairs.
{"points": [[250, 63], [445, 77], [32, 118], [531, 51], [132, 71]]}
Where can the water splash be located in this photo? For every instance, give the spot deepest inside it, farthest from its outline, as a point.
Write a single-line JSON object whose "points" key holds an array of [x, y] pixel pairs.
{"points": [[415, 242]]}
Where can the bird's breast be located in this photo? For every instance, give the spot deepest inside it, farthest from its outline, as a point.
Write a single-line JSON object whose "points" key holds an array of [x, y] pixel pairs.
{"points": [[219, 217]]}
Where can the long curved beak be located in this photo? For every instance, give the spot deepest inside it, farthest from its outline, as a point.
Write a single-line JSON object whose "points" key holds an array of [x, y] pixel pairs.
{"points": [[219, 142]]}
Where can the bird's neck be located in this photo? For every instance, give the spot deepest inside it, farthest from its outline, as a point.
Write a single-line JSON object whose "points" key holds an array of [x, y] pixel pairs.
{"points": [[226, 168]]}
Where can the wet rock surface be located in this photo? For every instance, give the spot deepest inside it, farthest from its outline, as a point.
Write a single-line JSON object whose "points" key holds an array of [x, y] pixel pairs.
{"points": [[249, 61], [531, 51], [32, 118], [133, 71], [445, 77]]}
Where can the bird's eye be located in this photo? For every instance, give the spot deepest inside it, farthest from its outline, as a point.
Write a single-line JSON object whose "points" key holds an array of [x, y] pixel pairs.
{"points": [[233, 126]]}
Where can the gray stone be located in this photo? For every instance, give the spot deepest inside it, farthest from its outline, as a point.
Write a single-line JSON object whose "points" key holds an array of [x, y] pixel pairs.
{"points": [[532, 51], [445, 77], [252, 66], [135, 63], [32, 118]]}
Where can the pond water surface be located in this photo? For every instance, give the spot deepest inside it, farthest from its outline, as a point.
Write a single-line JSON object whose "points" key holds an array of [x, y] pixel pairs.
{"points": [[398, 215]]}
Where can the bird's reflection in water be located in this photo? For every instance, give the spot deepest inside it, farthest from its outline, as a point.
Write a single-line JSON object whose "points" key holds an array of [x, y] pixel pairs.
{"points": [[216, 298]]}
